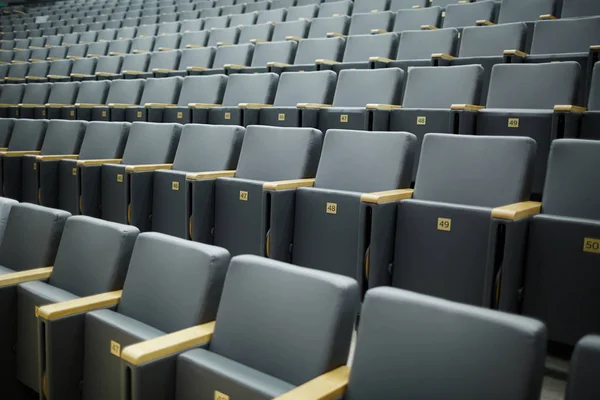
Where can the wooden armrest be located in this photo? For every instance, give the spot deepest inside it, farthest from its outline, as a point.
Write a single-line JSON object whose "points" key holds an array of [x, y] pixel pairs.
{"points": [[57, 157], [254, 41], [99, 161], [547, 17], [203, 105], [291, 184], [386, 196], [517, 53], [328, 386], [465, 107], [417, 7], [312, 105], [73, 57], [77, 306], [36, 60], [140, 51], [19, 153], [429, 27], [380, 59], [95, 55], [53, 59], [3, 148], [116, 53], [382, 107], [10, 78], [276, 64], [193, 46], [163, 70], [147, 167], [105, 73], [57, 76], [595, 47], [224, 44], [378, 31], [196, 69], [120, 105], [165, 49], [127, 72], [80, 75], [326, 62], [516, 211], [169, 344], [15, 278], [198, 176], [89, 105], [254, 105], [55, 105], [234, 66], [443, 56], [296, 38], [481, 22], [35, 78], [569, 108], [334, 34], [30, 105], [159, 105]]}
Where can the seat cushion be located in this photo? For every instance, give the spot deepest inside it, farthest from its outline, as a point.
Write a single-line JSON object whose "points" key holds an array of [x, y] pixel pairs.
{"points": [[201, 373]]}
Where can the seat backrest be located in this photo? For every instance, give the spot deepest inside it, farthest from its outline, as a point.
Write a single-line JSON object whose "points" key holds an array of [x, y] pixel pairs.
{"points": [[70, 38], [257, 6], [194, 38], [459, 15], [93, 92], [151, 143], [161, 90], [250, 88], [291, 153], [202, 57], [142, 44], [482, 41], [63, 93], [483, 171], [63, 137], [420, 45], [110, 65], [260, 32], [19, 70], [366, 6], [310, 50], [167, 41], [233, 9], [136, 62], [88, 37], [583, 382], [329, 9], [6, 128], [107, 35], [243, 19], [320, 27], [202, 89], [119, 46], [12, 94], [93, 256], [208, 148], [167, 28], [240, 54], [104, 140], [60, 67], [31, 236], [401, 341], [298, 28], [565, 36], [414, 18], [146, 30], [363, 23], [85, 66], [357, 88], [125, 91], [283, 52], [195, 279], [36, 93], [271, 16], [521, 11], [579, 8], [533, 86], [127, 32], [5, 207], [216, 22], [451, 85], [361, 47], [361, 161], [259, 299], [567, 193], [308, 11], [594, 100], [305, 87], [38, 69]]}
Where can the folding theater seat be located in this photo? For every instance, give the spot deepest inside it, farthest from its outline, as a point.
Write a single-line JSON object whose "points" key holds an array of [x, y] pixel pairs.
{"points": [[329, 27], [360, 49], [169, 19], [27, 252], [591, 118], [119, 47], [142, 45], [22, 55], [370, 6], [6, 56], [478, 232], [21, 44], [82, 68], [292, 230], [57, 53], [60, 71], [37, 72], [62, 140], [579, 8], [130, 23], [240, 20], [132, 64], [70, 39], [167, 42], [367, 23], [585, 361], [122, 94], [7, 45], [418, 18], [358, 94], [223, 36], [396, 5], [392, 361], [6, 128], [53, 40], [256, 33], [243, 91], [37, 42], [532, 100], [161, 62], [194, 39], [126, 33], [294, 88], [307, 12], [17, 73], [97, 49], [211, 23], [519, 11], [555, 238], [192, 61], [61, 95], [35, 94], [233, 9], [335, 8], [190, 22], [295, 30], [107, 35], [196, 91], [267, 55], [92, 259], [226, 207], [227, 57], [146, 30], [158, 94], [106, 68], [461, 15], [88, 37]]}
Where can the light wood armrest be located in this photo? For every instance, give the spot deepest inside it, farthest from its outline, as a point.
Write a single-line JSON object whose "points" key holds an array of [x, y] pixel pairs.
{"points": [[10, 78], [465, 107], [15, 278], [3, 148], [19, 153], [254, 105], [296, 38], [382, 107], [120, 105], [140, 51], [163, 70], [73, 57], [291, 184], [387, 196], [55, 105], [417, 7], [35, 78], [57, 157], [159, 105], [203, 105], [99, 161], [547, 17], [147, 167], [569, 108], [58, 76], [429, 27], [36, 60], [276, 64], [377, 31], [169, 344], [518, 53], [88, 105], [95, 55], [116, 53], [380, 59], [595, 47], [51, 312], [106, 73], [254, 41], [196, 69], [443, 56], [312, 105], [165, 49], [127, 72], [326, 62], [80, 75], [224, 44], [328, 386], [198, 176], [516, 211], [53, 59], [234, 66], [30, 105], [334, 34], [193, 46], [481, 22]]}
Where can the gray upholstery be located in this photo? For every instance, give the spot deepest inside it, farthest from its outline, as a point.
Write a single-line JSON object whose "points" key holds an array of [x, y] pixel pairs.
{"points": [[142, 44], [357, 88], [77, 50], [63, 93], [366, 6], [579, 8], [216, 22], [57, 52], [119, 46], [197, 58], [104, 140], [107, 35], [492, 40], [63, 137], [256, 6], [6, 129], [202, 89], [320, 27], [86, 66], [305, 87], [582, 383], [329, 9], [135, 62], [151, 143], [361, 47], [413, 19], [225, 36], [93, 92], [517, 10], [364, 23], [127, 32], [275, 14], [12, 94], [240, 54], [308, 11], [5, 207], [163, 90], [282, 52], [594, 100], [565, 36], [403, 341], [310, 50], [422, 44], [396, 5], [298, 28], [36, 93], [39, 69], [255, 88], [27, 134], [167, 41], [146, 30], [492, 182], [459, 15], [110, 65], [249, 18], [125, 91]]}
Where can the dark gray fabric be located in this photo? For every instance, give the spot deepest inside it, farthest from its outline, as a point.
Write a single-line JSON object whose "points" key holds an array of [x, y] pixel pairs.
{"points": [[6, 129], [262, 31], [41, 226], [396, 5], [585, 362], [27, 134], [594, 100], [533, 86], [5, 207], [202, 89], [282, 52], [164, 60], [250, 88], [357, 88], [459, 15], [36, 93], [93, 92], [85, 66], [195, 273], [331, 8], [226, 36], [579, 8], [265, 346], [151, 143], [308, 11], [310, 50], [125, 91], [104, 140], [18, 70], [161, 90], [39, 69], [392, 357], [452, 85], [63, 137], [305, 87], [361, 47], [413, 19], [422, 44], [517, 10], [12, 94], [484, 41], [135, 62], [475, 170], [110, 65], [294, 27], [565, 36], [93, 256], [197, 57], [240, 54], [362, 23], [567, 191], [320, 27], [273, 154]]}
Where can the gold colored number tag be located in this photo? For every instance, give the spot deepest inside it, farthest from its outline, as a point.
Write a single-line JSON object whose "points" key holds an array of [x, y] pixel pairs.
{"points": [[513, 122], [243, 195], [331, 208], [344, 118], [119, 177], [281, 117], [444, 224], [421, 120], [115, 348], [74, 171], [227, 115], [591, 245], [43, 113], [220, 396], [139, 114], [34, 165], [175, 185], [103, 113], [179, 115], [72, 113]]}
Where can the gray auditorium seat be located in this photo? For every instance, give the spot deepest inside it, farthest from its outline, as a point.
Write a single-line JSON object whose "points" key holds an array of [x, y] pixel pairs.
{"points": [[362, 48], [323, 27], [591, 118], [579, 8], [122, 94], [461, 15], [196, 91], [311, 50], [61, 94], [90, 94], [582, 383], [269, 54], [158, 93], [413, 19], [334, 8]]}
